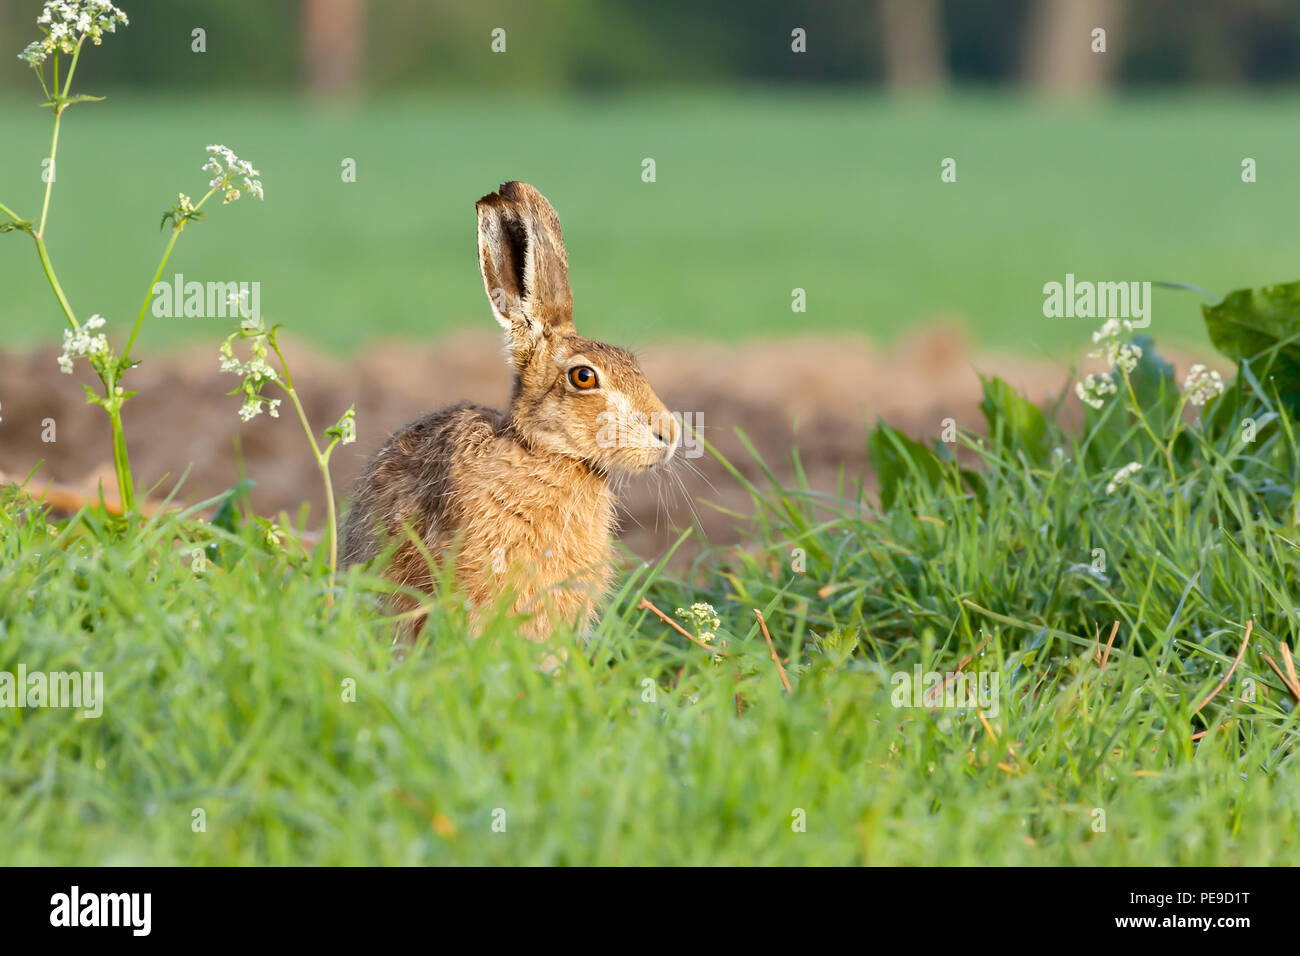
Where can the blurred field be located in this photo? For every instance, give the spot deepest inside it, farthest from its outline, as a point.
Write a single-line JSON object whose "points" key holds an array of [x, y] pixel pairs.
{"points": [[757, 194]]}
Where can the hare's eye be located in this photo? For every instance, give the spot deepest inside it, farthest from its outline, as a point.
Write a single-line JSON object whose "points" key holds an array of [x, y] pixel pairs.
{"points": [[582, 377]]}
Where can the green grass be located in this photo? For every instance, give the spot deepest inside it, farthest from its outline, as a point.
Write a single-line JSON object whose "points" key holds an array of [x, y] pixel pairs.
{"points": [[226, 687], [757, 194]]}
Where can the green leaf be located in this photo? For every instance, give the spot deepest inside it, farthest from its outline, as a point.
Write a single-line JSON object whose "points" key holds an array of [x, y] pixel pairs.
{"points": [[1155, 386], [227, 516], [1014, 422], [897, 459], [1262, 326], [64, 102]]}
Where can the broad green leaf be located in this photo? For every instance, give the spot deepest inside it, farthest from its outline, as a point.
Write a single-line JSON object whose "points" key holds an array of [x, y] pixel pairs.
{"points": [[897, 459], [1014, 422], [1262, 326]]}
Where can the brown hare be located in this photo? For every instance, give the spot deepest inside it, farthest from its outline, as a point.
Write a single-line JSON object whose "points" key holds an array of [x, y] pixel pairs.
{"points": [[522, 497]]}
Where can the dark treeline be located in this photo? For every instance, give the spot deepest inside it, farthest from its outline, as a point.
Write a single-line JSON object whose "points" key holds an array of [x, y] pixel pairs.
{"points": [[345, 45]]}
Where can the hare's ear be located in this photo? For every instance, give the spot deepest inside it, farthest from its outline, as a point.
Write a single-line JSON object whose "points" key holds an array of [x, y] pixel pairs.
{"points": [[522, 258]]}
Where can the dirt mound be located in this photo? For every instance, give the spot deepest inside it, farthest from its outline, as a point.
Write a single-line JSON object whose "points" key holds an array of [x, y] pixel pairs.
{"points": [[821, 394]]}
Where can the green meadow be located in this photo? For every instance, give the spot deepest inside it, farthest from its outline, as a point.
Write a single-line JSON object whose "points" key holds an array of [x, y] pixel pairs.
{"points": [[1130, 585], [254, 712], [755, 194]]}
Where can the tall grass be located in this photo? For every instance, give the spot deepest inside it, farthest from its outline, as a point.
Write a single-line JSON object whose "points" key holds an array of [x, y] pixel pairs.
{"points": [[251, 690]]}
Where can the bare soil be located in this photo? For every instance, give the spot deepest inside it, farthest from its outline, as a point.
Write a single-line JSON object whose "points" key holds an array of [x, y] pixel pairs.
{"points": [[821, 394]]}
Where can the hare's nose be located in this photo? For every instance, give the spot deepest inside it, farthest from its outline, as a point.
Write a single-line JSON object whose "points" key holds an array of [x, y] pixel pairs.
{"points": [[665, 432]]}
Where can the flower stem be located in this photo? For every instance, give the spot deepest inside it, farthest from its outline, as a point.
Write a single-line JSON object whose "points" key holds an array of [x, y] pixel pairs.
{"points": [[1137, 409], [52, 172], [139, 319], [54, 282], [72, 67], [121, 462], [148, 296], [54, 140], [322, 461]]}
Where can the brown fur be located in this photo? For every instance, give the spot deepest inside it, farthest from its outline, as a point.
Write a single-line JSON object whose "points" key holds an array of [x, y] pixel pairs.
{"points": [[522, 497]]}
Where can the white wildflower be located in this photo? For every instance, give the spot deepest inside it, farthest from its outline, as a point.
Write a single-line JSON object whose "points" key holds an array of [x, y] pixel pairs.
{"points": [[1125, 357], [256, 373], [66, 23], [81, 344], [1113, 345], [1094, 389], [704, 618], [33, 53], [1122, 476], [252, 407], [1111, 331], [226, 167], [1202, 384], [256, 368]]}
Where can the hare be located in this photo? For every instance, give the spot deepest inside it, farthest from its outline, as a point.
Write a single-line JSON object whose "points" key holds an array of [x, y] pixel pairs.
{"points": [[523, 496]]}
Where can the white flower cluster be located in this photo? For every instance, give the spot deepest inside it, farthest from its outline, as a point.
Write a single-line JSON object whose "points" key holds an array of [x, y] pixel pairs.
{"points": [[1094, 389], [1112, 345], [704, 618], [66, 23], [81, 344], [1122, 476], [1202, 384], [256, 372], [225, 167]]}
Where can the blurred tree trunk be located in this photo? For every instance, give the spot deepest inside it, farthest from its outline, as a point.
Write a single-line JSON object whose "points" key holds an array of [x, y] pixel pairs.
{"points": [[1058, 55], [914, 44], [333, 38]]}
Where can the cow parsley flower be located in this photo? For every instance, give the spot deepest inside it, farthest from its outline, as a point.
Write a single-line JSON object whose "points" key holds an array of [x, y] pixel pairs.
{"points": [[1125, 357], [226, 167], [256, 372], [1122, 476], [33, 54], [1202, 384], [1094, 389], [252, 407], [81, 344], [704, 619], [66, 23], [1113, 346]]}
